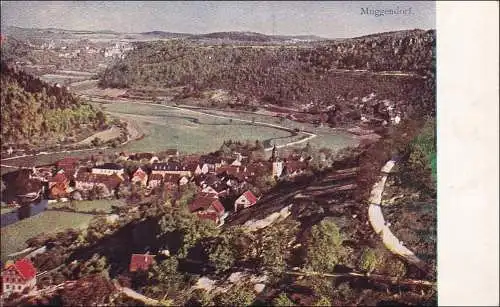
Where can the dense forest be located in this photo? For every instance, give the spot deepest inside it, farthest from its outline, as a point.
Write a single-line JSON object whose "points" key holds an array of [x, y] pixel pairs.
{"points": [[33, 110], [289, 75]]}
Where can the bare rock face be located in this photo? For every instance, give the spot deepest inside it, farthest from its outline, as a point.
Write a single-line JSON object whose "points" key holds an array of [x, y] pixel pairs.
{"points": [[259, 287]]}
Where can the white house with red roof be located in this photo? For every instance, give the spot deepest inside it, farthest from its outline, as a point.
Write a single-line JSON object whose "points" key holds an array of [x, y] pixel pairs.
{"points": [[246, 200], [18, 276]]}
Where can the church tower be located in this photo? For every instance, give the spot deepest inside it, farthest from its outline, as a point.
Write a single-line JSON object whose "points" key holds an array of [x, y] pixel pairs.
{"points": [[277, 163], [274, 155]]}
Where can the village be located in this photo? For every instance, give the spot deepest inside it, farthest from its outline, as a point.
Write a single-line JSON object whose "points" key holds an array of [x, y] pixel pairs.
{"points": [[219, 184]]}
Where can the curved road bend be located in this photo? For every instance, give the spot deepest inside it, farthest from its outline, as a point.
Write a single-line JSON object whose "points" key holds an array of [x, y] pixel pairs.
{"points": [[310, 135], [391, 242]]}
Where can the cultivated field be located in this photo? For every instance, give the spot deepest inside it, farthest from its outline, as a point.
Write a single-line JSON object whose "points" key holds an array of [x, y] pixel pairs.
{"points": [[326, 137], [14, 236]]}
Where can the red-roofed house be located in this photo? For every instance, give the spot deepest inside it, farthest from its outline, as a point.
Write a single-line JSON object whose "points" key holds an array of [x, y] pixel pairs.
{"points": [[246, 200], [294, 168], [69, 165], [209, 207], [58, 190], [18, 276], [141, 262], [60, 179], [140, 176]]}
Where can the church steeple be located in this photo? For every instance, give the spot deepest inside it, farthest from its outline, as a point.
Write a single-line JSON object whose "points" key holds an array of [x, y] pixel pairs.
{"points": [[274, 155]]}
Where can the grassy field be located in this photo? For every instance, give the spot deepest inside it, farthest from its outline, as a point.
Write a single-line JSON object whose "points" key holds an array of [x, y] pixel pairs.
{"points": [[105, 136], [190, 132], [4, 210], [327, 137], [14, 236], [89, 205]]}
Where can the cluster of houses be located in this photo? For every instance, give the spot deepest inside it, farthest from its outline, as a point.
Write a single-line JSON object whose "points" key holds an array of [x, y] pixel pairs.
{"points": [[216, 178]]}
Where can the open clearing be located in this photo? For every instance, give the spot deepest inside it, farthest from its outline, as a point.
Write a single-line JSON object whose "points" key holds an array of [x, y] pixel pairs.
{"points": [[188, 132], [14, 236]]}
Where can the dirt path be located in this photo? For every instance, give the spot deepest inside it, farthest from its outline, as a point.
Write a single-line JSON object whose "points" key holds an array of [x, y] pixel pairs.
{"points": [[379, 225]]}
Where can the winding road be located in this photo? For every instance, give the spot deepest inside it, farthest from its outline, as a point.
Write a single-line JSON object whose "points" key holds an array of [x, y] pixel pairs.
{"points": [[379, 225], [310, 135], [135, 134]]}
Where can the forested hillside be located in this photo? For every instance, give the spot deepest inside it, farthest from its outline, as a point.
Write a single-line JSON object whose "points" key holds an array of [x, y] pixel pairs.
{"points": [[34, 111], [289, 75]]}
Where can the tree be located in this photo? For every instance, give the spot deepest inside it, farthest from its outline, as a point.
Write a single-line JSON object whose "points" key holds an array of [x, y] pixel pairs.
{"points": [[187, 226], [164, 278], [283, 300], [91, 290], [238, 295], [323, 301], [96, 229], [369, 261], [221, 253], [325, 248]]}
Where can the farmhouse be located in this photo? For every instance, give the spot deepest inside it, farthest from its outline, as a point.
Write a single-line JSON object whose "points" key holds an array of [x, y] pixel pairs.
{"points": [[294, 168], [206, 206], [60, 179], [170, 168], [109, 169], [140, 176], [229, 170], [175, 179], [237, 161], [208, 164], [68, 165], [18, 276], [155, 180], [207, 180], [87, 181], [141, 262], [220, 189], [58, 190], [246, 200]]}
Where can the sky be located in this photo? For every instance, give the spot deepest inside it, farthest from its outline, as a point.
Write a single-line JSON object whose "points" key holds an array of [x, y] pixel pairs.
{"points": [[329, 19]]}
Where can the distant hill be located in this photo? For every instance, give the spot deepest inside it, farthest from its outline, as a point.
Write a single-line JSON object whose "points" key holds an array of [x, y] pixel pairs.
{"points": [[307, 75], [163, 34], [34, 112], [392, 34], [236, 36], [253, 37]]}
